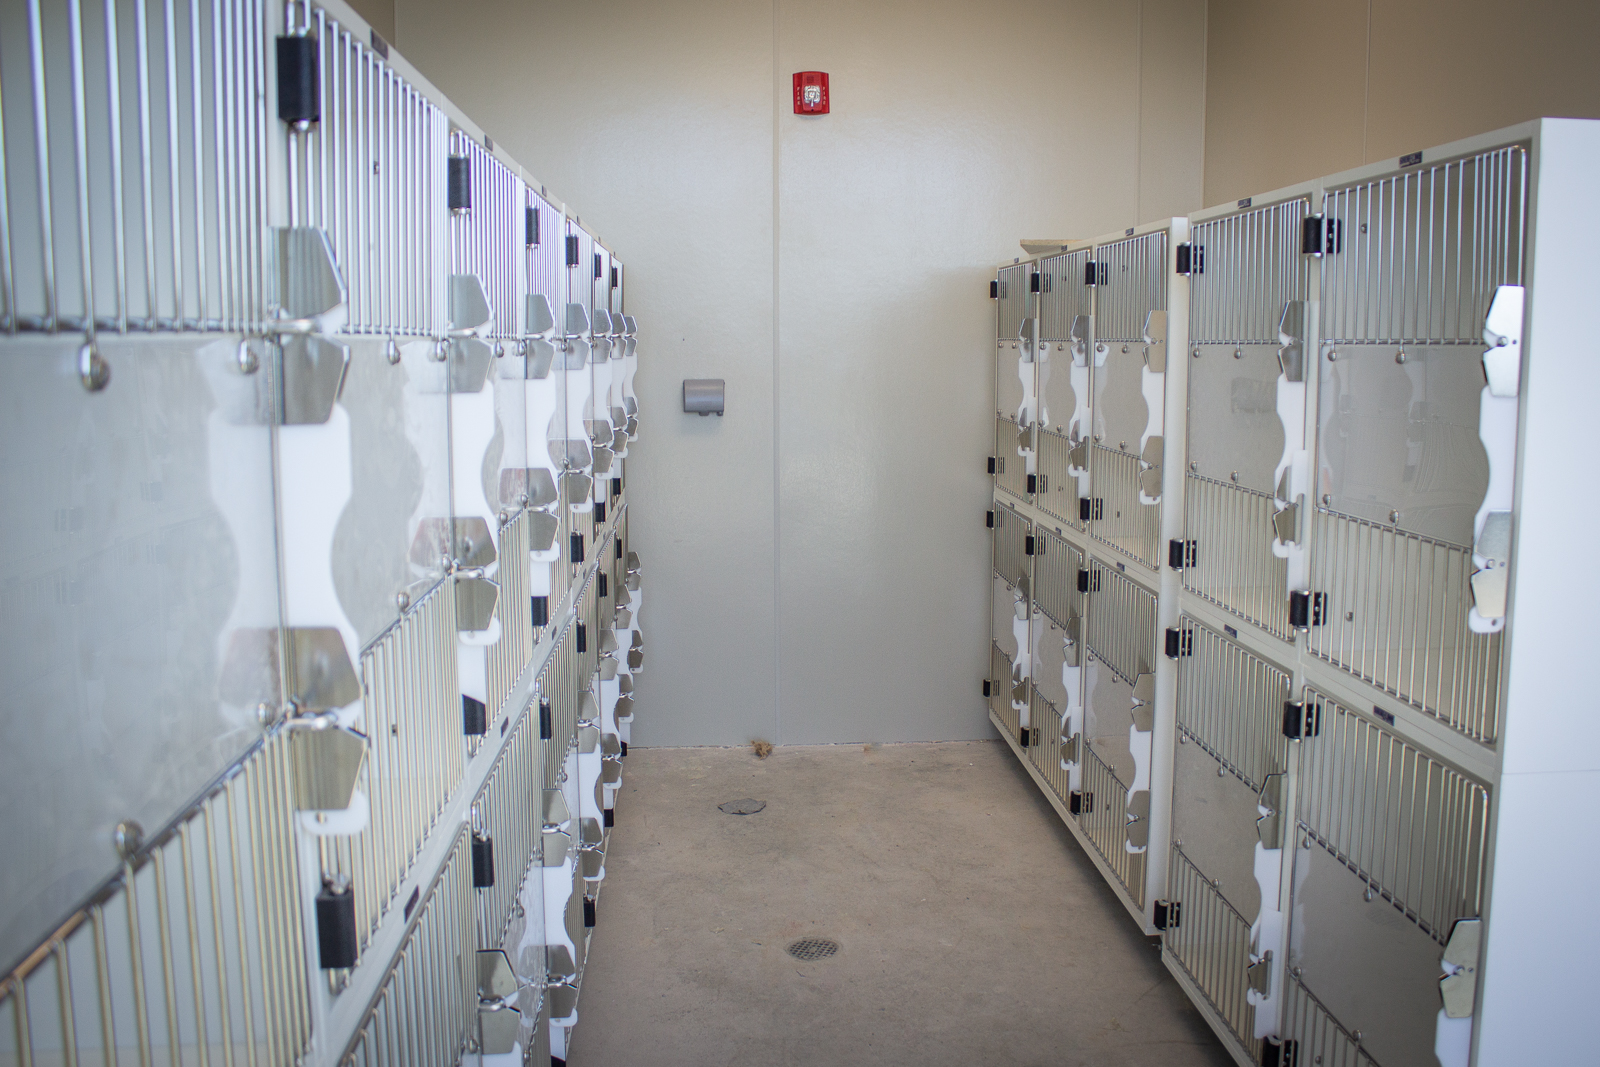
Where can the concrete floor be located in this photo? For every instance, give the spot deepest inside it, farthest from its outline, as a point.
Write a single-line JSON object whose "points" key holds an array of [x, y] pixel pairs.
{"points": [[973, 928]]}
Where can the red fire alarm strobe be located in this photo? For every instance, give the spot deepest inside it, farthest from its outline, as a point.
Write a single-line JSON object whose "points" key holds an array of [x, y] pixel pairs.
{"points": [[810, 93]]}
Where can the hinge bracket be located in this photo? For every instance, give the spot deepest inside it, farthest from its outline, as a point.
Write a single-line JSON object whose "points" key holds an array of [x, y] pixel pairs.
{"points": [[1307, 609], [1301, 719], [1181, 554]]}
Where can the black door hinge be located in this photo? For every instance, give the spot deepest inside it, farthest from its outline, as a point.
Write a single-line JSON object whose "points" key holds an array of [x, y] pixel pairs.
{"points": [[599, 512], [1088, 580], [459, 183], [989, 519], [616, 487], [624, 746], [336, 928], [600, 585], [530, 228], [1307, 609], [298, 99], [1181, 554], [609, 817], [1022, 736], [619, 548], [1033, 282], [991, 465], [572, 250], [614, 277], [1320, 235], [577, 547], [547, 726], [540, 613], [1301, 719], [994, 290], [1033, 484], [1091, 508], [1089, 273], [1166, 915], [482, 861], [582, 637], [588, 912], [599, 266], [986, 687], [474, 716], [1191, 259], [1280, 1054], [1027, 545], [1080, 803], [1179, 643]]}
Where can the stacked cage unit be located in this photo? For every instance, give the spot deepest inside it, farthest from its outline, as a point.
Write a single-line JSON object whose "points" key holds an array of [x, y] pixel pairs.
{"points": [[319, 580], [1276, 703]]}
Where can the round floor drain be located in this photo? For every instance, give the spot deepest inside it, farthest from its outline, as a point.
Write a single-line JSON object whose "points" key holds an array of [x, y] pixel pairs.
{"points": [[813, 948]]}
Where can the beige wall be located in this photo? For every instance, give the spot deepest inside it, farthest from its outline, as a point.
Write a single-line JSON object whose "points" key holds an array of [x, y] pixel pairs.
{"points": [[814, 559], [1301, 88], [379, 15]]}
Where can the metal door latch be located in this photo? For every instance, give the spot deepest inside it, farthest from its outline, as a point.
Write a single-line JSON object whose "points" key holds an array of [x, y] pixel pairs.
{"points": [[1459, 986], [1502, 332], [1258, 974], [1490, 580]]}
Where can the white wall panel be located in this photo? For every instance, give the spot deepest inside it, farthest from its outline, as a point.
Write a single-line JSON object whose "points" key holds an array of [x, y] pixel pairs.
{"points": [[825, 266]]}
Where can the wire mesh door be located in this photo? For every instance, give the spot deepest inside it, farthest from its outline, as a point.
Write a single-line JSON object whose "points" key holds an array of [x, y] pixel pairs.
{"points": [[1058, 660], [1119, 679], [1011, 608], [129, 194], [1231, 756], [1391, 844], [1066, 304], [1128, 420], [1248, 268], [1013, 382], [372, 175], [1401, 470]]}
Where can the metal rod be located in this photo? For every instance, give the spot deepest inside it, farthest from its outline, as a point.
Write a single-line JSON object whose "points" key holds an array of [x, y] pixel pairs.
{"points": [[41, 148]]}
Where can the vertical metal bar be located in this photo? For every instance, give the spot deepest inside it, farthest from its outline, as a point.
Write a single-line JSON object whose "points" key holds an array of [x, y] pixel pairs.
{"points": [[201, 292], [190, 906], [141, 1015], [80, 144], [174, 182], [41, 148]]}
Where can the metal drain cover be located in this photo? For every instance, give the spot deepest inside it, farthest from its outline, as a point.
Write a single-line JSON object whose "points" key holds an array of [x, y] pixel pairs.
{"points": [[813, 948], [747, 806]]}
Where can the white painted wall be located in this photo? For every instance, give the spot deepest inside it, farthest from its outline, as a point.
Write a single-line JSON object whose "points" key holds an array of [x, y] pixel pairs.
{"points": [[815, 558]]}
